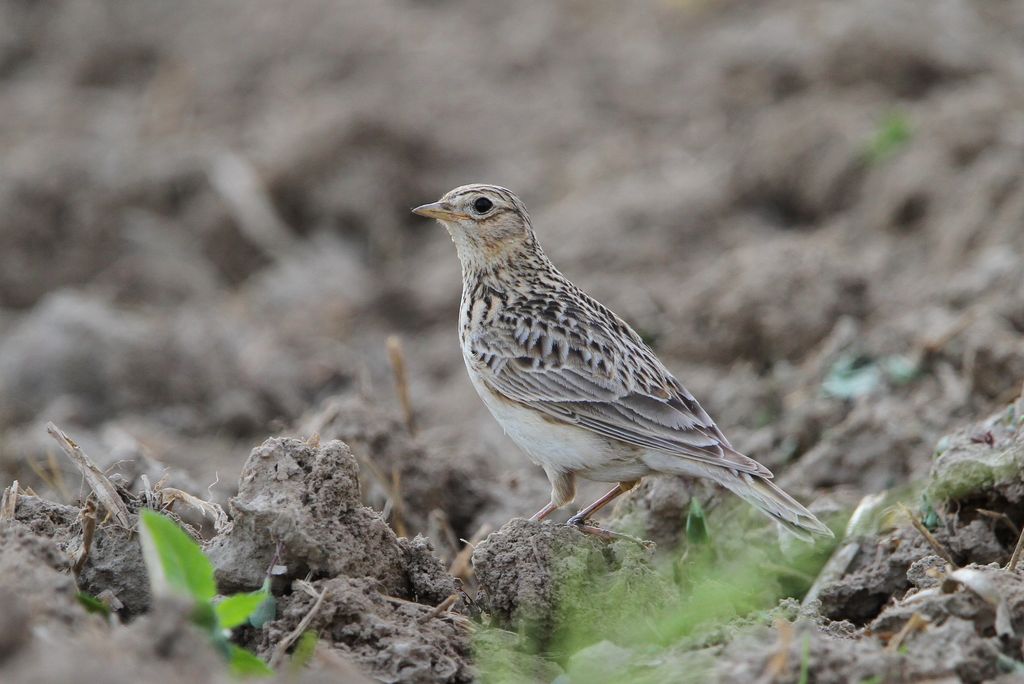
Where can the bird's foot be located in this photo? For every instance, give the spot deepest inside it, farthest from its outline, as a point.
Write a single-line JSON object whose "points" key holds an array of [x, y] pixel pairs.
{"points": [[584, 526]]}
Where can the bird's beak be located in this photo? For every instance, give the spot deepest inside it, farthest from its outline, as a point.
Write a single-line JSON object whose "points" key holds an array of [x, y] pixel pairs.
{"points": [[441, 211]]}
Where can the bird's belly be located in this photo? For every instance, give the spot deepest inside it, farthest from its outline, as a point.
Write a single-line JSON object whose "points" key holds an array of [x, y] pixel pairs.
{"points": [[560, 447]]}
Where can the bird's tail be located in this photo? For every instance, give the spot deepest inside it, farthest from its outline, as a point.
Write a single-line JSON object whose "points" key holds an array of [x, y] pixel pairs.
{"points": [[767, 497], [758, 491]]}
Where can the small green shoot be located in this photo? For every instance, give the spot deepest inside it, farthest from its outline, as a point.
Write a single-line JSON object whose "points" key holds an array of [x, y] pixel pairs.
{"points": [[805, 660], [304, 650], [852, 376], [929, 516], [178, 567], [236, 610], [175, 562], [892, 135], [267, 610], [243, 663], [855, 376], [696, 524], [93, 604]]}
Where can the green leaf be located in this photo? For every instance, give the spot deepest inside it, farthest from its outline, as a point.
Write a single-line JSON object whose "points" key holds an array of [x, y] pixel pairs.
{"points": [[175, 563], [204, 616], [930, 517], [245, 664], [267, 610], [696, 524], [304, 650], [892, 135], [93, 604], [235, 610], [852, 376]]}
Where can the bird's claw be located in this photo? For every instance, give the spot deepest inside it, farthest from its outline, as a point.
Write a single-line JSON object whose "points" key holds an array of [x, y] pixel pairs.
{"points": [[585, 527]]}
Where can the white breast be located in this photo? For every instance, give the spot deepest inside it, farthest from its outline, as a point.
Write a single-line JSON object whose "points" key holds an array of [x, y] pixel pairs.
{"points": [[557, 447]]}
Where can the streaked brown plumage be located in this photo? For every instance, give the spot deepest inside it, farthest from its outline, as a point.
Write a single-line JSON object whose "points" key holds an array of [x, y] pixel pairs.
{"points": [[570, 382]]}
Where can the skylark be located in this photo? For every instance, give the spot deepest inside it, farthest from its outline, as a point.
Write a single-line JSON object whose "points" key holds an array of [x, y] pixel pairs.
{"points": [[570, 382]]}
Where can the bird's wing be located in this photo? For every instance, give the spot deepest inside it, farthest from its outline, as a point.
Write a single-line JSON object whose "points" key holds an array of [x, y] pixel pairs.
{"points": [[607, 381]]}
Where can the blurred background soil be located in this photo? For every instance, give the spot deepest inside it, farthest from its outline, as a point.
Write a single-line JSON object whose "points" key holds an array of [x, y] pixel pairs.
{"points": [[813, 211]]}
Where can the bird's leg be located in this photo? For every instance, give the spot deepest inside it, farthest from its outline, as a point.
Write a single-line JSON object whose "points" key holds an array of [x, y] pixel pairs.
{"points": [[563, 491], [579, 521], [545, 512], [585, 514]]}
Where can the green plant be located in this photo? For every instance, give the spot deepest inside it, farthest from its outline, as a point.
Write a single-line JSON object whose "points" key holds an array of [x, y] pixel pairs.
{"points": [[305, 648], [805, 660], [178, 567], [854, 376], [696, 524], [652, 621], [892, 135], [93, 604]]}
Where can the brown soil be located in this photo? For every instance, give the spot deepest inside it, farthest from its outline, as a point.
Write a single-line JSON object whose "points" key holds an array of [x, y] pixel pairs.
{"points": [[812, 211]]}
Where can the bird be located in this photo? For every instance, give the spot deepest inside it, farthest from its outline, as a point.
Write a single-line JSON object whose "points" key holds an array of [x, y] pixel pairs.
{"points": [[571, 383]]}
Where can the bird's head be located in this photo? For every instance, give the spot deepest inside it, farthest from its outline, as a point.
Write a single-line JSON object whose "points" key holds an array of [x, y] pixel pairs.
{"points": [[487, 223]]}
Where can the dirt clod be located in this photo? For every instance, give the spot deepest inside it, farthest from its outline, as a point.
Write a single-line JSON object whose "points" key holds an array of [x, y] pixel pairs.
{"points": [[530, 572], [877, 574], [422, 476], [36, 570], [388, 639], [303, 501], [811, 211]]}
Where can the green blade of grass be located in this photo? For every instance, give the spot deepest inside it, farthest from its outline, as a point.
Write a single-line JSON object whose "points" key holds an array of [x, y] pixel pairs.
{"points": [[891, 136], [175, 563], [304, 650], [805, 660], [93, 604], [236, 610], [267, 610], [246, 664], [696, 524]]}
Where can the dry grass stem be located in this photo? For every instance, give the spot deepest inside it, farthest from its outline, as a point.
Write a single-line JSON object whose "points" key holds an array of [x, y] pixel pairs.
{"points": [[88, 529], [1000, 517], [104, 489], [392, 487], [282, 646], [936, 344], [938, 548], [240, 185], [9, 502], [51, 476], [148, 494], [440, 530], [442, 607], [1015, 557], [169, 495], [457, 619], [916, 623], [780, 659], [397, 357], [397, 507], [461, 566]]}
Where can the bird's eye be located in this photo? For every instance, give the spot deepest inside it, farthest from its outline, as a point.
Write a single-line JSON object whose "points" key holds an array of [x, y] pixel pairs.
{"points": [[482, 205]]}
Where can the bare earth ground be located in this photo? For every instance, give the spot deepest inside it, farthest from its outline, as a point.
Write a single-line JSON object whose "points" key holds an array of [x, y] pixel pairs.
{"points": [[813, 211]]}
